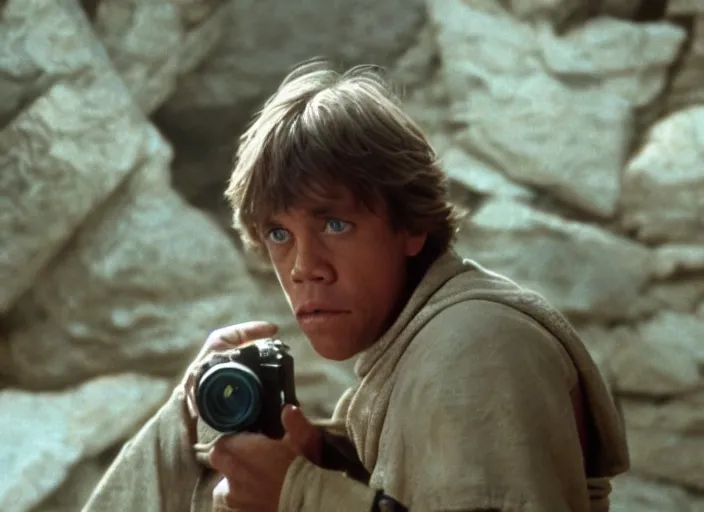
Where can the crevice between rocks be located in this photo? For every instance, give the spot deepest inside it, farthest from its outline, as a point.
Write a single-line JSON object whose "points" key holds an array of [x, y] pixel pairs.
{"points": [[658, 108], [651, 10], [91, 8]]}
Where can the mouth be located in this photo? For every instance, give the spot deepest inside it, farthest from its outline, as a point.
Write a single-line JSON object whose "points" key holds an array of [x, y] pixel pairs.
{"points": [[315, 311]]}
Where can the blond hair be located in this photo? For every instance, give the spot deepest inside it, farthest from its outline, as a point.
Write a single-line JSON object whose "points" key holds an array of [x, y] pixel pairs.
{"points": [[322, 129]]}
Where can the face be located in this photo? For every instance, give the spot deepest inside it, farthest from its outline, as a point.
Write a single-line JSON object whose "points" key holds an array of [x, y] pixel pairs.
{"points": [[343, 270]]}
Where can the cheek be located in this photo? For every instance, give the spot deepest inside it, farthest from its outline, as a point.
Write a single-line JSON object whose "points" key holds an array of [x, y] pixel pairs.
{"points": [[375, 277], [282, 272]]}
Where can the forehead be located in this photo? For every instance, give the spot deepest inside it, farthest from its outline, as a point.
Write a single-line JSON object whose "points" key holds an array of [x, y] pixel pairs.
{"points": [[324, 201]]}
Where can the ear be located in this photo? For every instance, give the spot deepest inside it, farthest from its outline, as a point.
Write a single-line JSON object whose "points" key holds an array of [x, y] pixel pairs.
{"points": [[415, 243]]}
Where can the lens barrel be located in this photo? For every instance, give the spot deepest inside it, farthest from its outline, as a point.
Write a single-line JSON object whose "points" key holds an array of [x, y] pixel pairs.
{"points": [[229, 397]]}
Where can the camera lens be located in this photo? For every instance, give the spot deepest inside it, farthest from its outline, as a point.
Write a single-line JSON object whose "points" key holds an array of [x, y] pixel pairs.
{"points": [[228, 397]]}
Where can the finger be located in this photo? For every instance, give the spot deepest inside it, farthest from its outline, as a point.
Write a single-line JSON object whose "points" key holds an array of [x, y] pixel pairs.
{"points": [[238, 451], [301, 433], [222, 461], [233, 335]]}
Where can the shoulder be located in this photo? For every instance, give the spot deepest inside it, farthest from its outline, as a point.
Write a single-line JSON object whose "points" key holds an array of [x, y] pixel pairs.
{"points": [[474, 338]]}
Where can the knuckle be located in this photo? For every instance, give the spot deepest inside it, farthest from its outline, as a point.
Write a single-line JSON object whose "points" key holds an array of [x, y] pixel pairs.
{"points": [[214, 335], [229, 334]]}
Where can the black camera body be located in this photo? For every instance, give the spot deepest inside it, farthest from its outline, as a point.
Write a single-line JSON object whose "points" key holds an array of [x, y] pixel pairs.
{"points": [[244, 389]]}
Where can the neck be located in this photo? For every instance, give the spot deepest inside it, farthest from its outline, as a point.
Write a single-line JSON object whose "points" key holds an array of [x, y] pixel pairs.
{"points": [[417, 268]]}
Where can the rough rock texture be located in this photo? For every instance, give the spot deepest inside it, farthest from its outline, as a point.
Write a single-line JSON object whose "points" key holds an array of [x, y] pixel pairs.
{"points": [[152, 44], [53, 431], [567, 111], [685, 89], [570, 133], [543, 250], [61, 158], [264, 38], [663, 185]]}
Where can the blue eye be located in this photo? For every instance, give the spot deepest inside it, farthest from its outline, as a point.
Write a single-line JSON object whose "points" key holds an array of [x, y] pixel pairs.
{"points": [[337, 226], [278, 235]]}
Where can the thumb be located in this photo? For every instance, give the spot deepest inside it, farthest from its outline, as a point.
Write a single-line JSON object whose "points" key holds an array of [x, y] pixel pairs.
{"points": [[304, 437]]}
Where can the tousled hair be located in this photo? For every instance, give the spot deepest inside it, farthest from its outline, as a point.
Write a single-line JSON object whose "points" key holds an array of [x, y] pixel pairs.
{"points": [[323, 129]]}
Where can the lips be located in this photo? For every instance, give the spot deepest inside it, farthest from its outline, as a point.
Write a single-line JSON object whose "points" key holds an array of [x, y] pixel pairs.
{"points": [[313, 309]]}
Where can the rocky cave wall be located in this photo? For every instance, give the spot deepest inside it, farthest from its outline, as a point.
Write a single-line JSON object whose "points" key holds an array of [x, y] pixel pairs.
{"points": [[572, 130]]}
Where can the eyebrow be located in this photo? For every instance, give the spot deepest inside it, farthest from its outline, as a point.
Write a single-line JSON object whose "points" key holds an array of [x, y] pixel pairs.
{"points": [[322, 209]]}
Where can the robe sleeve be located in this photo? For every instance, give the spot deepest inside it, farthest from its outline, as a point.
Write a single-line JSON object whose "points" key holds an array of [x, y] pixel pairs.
{"points": [[310, 488], [155, 471]]}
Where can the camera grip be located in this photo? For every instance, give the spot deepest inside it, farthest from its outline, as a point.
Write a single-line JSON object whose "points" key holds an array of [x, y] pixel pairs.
{"points": [[284, 388]]}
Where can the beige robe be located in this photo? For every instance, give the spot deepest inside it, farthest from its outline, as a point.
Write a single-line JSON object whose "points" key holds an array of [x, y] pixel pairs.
{"points": [[464, 404]]}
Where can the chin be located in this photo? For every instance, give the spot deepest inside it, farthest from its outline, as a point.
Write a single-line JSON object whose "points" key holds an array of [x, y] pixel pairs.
{"points": [[334, 349]]}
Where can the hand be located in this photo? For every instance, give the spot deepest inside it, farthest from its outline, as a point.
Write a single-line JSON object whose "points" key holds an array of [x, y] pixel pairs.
{"points": [[255, 466]]}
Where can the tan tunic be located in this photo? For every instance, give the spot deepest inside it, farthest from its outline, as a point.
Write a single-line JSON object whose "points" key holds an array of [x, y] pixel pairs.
{"points": [[464, 404]]}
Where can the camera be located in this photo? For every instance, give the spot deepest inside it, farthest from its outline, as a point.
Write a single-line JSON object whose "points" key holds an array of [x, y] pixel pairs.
{"points": [[245, 388]]}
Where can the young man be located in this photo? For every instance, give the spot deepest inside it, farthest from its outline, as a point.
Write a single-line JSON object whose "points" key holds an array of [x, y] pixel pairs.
{"points": [[473, 393]]}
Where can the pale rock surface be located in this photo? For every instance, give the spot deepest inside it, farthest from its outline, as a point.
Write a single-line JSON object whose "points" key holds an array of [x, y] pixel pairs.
{"points": [[265, 38], [200, 40], [685, 7], [542, 251], [427, 106], [30, 33], [619, 57], [686, 88], [529, 97], [680, 332], [669, 456], [418, 63], [68, 149], [143, 40], [59, 159], [680, 295], [666, 438], [636, 494], [683, 414], [423, 92], [150, 46], [118, 298], [525, 122], [662, 358], [46, 434], [480, 177], [663, 185], [670, 259], [76, 489]]}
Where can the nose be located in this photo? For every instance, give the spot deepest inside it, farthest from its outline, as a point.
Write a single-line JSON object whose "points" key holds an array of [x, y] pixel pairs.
{"points": [[311, 263]]}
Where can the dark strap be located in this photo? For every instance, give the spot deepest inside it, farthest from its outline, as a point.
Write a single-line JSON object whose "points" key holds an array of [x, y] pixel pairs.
{"points": [[384, 503], [339, 454], [580, 419]]}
